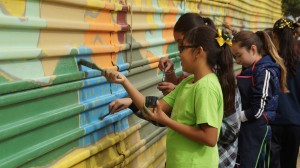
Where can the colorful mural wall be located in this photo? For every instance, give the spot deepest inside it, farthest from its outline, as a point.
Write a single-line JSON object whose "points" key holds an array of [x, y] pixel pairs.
{"points": [[50, 107]]}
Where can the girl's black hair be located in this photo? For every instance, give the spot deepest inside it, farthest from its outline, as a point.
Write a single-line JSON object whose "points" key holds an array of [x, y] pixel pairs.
{"points": [[188, 21], [219, 58], [287, 44]]}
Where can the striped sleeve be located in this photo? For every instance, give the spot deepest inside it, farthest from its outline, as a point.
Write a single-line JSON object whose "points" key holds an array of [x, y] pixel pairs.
{"points": [[262, 92]]}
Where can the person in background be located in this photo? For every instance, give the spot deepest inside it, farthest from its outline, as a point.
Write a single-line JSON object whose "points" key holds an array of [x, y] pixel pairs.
{"points": [[229, 29], [185, 23], [296, 26], [263, 75], [196, 103], [297, 36], [286, 126]]}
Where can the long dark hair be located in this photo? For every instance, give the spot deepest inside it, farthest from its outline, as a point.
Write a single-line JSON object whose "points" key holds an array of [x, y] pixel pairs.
{"points": [[264, 46], [188, 21], [284, 28], [218, 57]]}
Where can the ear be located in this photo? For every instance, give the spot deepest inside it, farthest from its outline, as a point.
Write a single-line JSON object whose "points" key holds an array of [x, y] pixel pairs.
{"points": [[253, 50], [199, 52]]}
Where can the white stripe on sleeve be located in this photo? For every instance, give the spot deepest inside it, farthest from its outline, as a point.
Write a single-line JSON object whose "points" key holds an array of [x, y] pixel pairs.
{"points": [[264, 95]]}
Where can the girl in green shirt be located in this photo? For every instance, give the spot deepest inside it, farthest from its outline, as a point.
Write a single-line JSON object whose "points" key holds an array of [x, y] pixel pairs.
{"points": [[197, 103]]}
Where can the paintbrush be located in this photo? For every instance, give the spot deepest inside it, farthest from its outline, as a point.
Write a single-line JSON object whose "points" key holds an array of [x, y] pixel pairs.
{"points": [[164, 72], [101, 118], [93, 66]]}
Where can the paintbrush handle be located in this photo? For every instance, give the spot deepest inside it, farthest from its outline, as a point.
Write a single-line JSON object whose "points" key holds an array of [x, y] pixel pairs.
{"points": [[101, 118], [164, 73], [90, 65]]}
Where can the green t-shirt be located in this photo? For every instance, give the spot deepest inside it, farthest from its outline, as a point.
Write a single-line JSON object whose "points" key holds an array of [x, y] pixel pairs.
{"points": [[193, 104]]}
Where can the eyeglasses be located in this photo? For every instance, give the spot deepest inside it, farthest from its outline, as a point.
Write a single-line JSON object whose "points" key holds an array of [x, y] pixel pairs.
{"points": [[182, 47]]}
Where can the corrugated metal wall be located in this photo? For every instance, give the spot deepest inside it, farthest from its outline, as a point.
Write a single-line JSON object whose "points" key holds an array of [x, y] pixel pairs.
{"points": [[49, 109]]}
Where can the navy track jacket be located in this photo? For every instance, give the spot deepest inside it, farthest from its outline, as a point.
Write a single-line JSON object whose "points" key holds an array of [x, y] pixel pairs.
{"points": [[288, 112], [259, 86]]}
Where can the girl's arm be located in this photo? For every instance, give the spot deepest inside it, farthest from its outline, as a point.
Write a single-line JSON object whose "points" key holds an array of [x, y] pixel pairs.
{"points": [[119, 104], [203, 134], [166, 87], [137, 98], [262, 92]]}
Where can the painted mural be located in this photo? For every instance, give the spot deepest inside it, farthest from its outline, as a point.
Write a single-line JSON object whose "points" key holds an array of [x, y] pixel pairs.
{"points": [[50, 106]]}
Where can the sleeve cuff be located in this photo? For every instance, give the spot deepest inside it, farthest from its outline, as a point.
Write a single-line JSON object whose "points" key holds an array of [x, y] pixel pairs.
{"points": [[243, 116], [133, 108]]}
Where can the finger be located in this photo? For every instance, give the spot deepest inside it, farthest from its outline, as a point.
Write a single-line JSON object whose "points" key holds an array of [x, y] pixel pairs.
{"points": [[166, 86], [169, 65], [116, 108], [162, 88], [109, 74], [164, 83], [111, 105], [165, 92], [146, 113], [160, 66], [161, 63], [121, 107], [160, 84], [112, 110], [158, 107]]}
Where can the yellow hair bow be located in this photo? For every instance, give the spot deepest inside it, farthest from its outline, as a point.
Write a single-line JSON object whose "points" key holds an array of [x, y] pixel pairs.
{"points": [[285, 23], [221, 40]]}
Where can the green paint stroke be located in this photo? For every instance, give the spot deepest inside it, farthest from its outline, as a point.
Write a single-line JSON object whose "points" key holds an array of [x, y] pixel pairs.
{"points": [[66, 65], [26, 146]]}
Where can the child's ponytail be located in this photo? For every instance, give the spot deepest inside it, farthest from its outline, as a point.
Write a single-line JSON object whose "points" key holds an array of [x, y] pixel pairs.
{"points": [[219, 57], [226, 77], [270, 48]]}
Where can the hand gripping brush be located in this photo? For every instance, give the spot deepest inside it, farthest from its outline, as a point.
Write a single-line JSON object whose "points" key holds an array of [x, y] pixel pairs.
{"points": [[94, 66]]}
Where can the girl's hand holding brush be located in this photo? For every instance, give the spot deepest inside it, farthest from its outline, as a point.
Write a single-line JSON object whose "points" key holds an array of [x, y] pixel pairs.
{"points": [[115, 76]]}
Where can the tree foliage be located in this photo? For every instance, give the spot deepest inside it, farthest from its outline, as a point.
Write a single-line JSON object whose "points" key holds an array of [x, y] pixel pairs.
{"points": [[291, 7]]}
